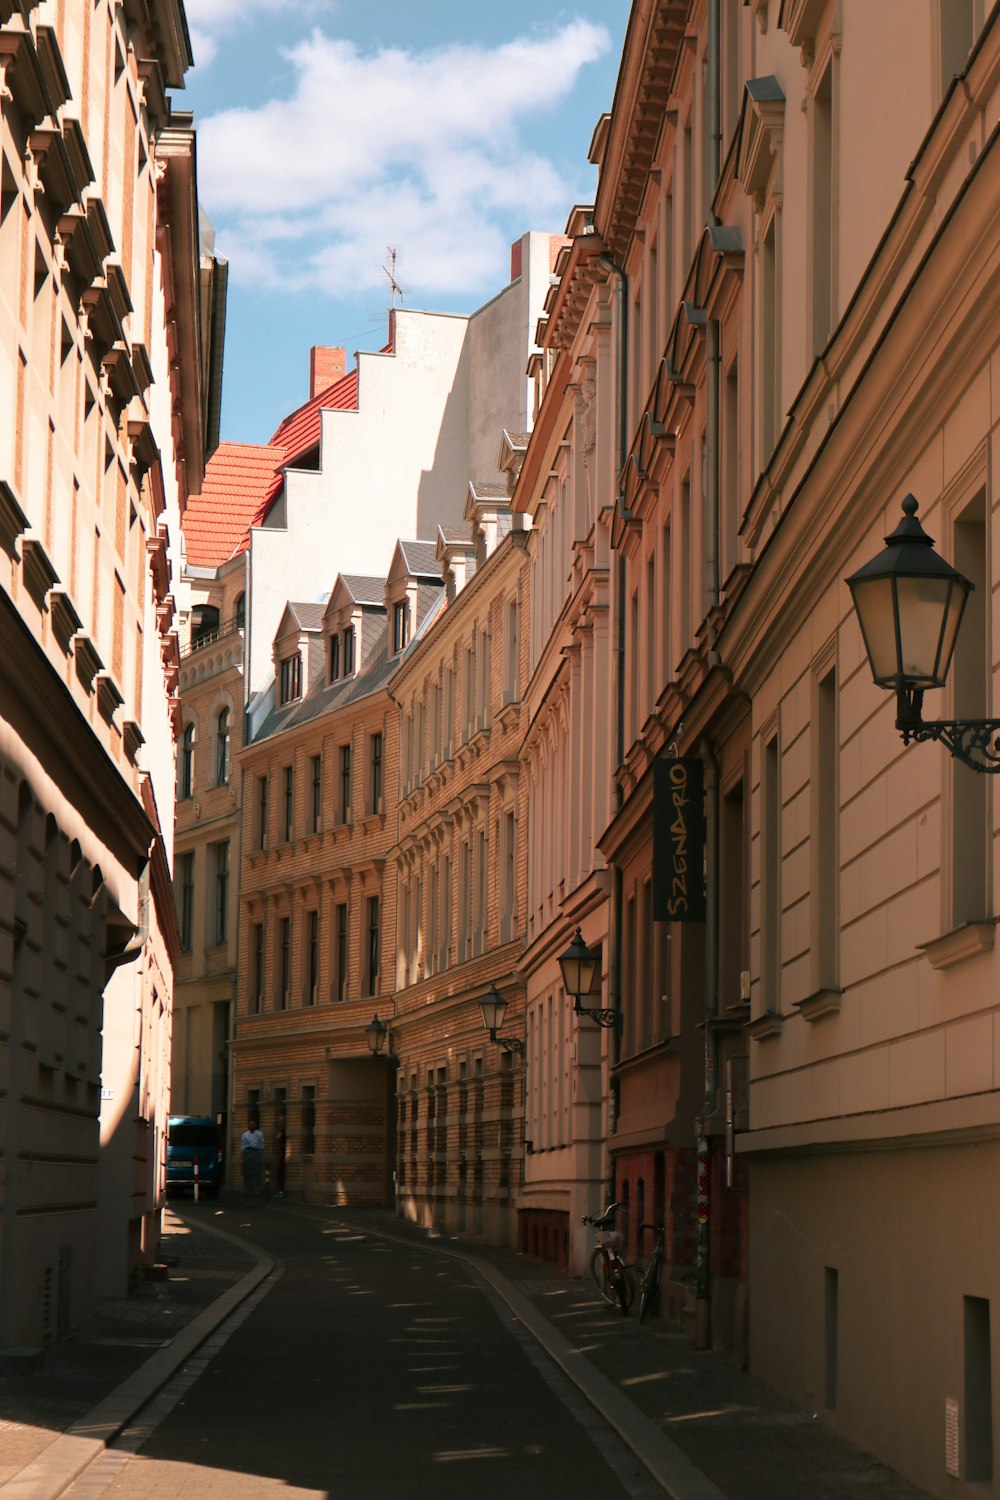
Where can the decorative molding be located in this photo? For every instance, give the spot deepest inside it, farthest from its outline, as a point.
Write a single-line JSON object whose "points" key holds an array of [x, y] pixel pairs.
{"points": [[132, 739], [761, 136], [65, 620], [767, 1025], [37, 570], [109, 695], [88, 662], [13, 521], [961, 943], [823, 1003]]}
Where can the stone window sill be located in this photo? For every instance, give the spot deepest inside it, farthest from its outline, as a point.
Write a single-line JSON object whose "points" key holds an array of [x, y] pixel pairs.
{"points": [[767, 1025], [963, 942], [823, 1003]]}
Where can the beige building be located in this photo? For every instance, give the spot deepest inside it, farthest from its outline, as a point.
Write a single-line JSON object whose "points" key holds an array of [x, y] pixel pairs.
{"points": [[873, 875], [104, 421], [317, 902], [459, 869], [764, 336]]}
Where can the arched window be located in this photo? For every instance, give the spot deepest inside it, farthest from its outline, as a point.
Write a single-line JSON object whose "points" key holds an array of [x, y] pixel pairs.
{"points": [[241, 611], [187, 761], [222, 748]]}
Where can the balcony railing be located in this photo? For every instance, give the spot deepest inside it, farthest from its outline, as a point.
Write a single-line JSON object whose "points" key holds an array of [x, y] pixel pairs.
{"points": [[216, 633]]}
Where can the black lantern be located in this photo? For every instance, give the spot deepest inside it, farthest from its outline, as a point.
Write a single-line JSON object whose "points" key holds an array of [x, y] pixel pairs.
{"points": [[375, 1035], [580, 968], [494, 1008], [909, 603]]}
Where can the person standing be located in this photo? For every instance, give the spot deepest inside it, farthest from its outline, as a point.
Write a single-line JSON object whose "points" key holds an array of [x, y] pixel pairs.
{"points": [[252, 1149]]}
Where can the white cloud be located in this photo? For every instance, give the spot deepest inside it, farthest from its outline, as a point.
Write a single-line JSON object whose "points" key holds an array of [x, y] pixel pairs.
{"points": [[431, 151]]}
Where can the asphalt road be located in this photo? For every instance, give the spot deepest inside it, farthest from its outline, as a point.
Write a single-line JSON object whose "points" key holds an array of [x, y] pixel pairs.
{"points": [[365, 1368]]}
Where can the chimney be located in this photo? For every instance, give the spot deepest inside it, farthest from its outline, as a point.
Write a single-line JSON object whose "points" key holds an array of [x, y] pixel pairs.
{"points": [[515, 260], [326, 366]]}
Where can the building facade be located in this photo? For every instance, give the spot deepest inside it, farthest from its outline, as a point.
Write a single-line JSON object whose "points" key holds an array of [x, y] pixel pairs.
{"points": [[104, 422], [459, 868]]}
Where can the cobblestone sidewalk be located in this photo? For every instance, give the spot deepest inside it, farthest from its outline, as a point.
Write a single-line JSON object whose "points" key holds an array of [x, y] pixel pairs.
{"points": [[78, 1372]]}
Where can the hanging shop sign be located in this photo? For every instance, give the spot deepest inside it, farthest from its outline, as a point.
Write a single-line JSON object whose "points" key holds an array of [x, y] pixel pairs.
{"points": [[678, 840]]}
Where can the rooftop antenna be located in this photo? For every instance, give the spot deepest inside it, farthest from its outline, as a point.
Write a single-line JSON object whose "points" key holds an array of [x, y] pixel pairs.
{"points": [[390, 270]]}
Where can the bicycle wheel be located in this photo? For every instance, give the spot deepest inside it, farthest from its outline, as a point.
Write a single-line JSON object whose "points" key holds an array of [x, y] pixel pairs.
{"points": [[650, 1287], [624, 1288], [600, 1269]]}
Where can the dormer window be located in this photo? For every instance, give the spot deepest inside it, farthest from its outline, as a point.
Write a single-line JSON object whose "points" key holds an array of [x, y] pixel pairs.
{"points": [[291, 678], [334, 657], [349, 651], [400, 626]]}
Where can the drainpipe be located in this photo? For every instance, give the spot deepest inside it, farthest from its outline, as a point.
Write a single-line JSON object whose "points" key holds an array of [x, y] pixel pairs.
{"points": [[618, 657], [703, 1268], [712, 329]]}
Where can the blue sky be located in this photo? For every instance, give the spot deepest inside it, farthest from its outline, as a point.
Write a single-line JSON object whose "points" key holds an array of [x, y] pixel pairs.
{"points": [[331, 129]]}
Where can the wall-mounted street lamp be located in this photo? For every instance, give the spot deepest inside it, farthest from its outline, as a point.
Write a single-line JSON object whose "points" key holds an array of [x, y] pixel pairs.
{"points": [[376, 1035], [494, 1008], [909, 603], [579, 966]]}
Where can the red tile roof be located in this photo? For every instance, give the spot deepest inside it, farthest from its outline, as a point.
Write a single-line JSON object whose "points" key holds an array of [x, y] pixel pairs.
{"points": [[237, 478], [299, 434]]}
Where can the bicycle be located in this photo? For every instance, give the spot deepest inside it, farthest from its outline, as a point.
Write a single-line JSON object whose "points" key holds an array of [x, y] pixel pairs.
{"points": [[649, 1283], [612, 1277]]}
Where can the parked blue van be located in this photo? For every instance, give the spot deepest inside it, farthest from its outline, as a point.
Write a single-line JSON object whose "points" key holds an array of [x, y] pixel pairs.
{"points": [[190, 1139]]}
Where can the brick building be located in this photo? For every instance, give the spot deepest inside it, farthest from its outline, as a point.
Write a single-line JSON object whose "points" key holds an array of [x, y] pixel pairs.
{"points": [[459, 868], [317, 901]]}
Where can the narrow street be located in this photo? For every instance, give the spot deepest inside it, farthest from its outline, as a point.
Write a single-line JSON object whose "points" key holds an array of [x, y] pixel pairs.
{"points": [[364, 1367]]}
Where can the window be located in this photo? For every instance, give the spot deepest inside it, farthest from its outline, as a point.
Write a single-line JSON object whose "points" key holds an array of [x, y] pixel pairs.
{"points": [[345, 783], [373, 944], [511, 693], [334, 657], [770, 344], [971, 821], [222, 748], [291, 678], [376, 773], [261, 813], [289, 779], [340, 952], [313, 952], [484, 680], [309, 1119], [284, 960], [241, 611], [826, 861], [824, 216], [507, 915], [400, 625], [445, 913], [220, 876], [770, 854], [349, 651], [256, 967], [316, 803], [187, 762], [186, 882]]}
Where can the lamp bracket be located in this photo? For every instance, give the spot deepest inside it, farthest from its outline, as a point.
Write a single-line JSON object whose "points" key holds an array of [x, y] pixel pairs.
{"points": [[609, 1018], [508, 1043], [975, 742]]}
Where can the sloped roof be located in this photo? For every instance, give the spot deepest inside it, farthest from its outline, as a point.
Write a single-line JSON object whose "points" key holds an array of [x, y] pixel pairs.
{"points": [[488, 491], [299, 432], [364, 590], [325, 697], [420, 559], [308, 616], [455, 536], [237, 477]]}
